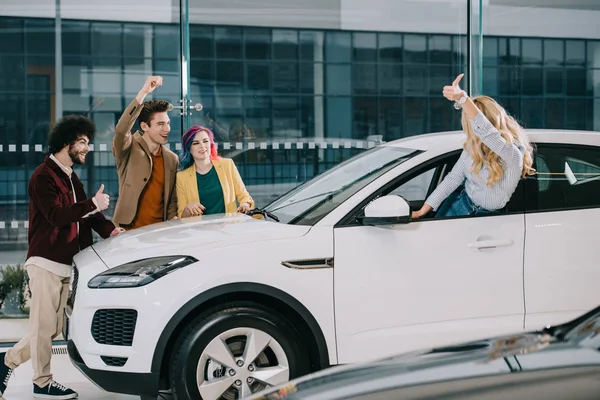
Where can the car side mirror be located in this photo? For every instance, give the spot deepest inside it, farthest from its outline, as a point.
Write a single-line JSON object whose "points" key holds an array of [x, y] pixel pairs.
{"points": [[387, 210]]}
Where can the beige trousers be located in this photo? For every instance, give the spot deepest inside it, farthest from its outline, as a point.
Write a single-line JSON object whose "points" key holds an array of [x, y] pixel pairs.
{"points": [[48, 299]]}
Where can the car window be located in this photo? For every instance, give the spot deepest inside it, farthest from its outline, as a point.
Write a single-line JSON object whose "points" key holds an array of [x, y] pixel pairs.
{"points": [[416, 189], [414, 186], [568, 177], [310, 202]]}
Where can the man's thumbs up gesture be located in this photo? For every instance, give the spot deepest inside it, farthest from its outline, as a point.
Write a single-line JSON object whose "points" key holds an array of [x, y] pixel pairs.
{"points": [[102, 200]]}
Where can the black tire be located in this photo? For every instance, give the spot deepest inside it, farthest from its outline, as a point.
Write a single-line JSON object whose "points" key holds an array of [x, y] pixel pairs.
{"points": [[202, 330]]}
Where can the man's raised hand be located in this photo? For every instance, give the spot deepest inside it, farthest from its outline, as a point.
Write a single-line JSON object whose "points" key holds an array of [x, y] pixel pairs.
{"points": [[152, 82]]}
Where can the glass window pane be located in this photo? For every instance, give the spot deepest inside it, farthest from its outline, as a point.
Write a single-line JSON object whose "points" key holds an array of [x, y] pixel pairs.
{"points": [[202, 44], [365, 46], [106, 78], [554, 53], [135, 38], [364, 117], [258, 77], [440, 49], [228, 42], [390, 118], [285, 77], [593, 83], [390, 78], [308, 122], [229, 76], [228, 109], [415, 48], [364, 78], [575, 114], [593, 53], [338, 78], [11, 35], [509, 51], [285, 45], [202, 76], [490, 81], [555, 113], [166, 41], [439, 76], [257, 43], [490, 51], [390, 47], [576, 81], [39, 36], [532, 51], [415, 116], [554, 81], [415, 80], [441, 115], [311, 78], [533, 81], [533, 113], [258, 115], [508, 81], [311, 46], [106, 40], [170, 70], [558, 192], [285, 116], [12, 73], [575, 52], [337, 47], [75, 73], [339, 114], [460, 52]]}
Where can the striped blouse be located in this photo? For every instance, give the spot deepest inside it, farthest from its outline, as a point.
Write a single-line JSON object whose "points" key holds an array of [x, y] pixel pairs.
{"points": [[492, 197]]}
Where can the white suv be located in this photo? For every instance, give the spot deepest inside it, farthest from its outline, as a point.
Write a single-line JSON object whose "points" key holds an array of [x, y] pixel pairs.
{"points": [[223, 306]]}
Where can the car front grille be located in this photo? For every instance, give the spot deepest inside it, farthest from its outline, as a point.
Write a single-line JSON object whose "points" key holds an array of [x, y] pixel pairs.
{"points": [[114, 327], [114, 361], [74, 282]]}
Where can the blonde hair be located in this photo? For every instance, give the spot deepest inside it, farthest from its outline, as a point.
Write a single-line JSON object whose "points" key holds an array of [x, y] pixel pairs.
{"points": [[509, 129]]}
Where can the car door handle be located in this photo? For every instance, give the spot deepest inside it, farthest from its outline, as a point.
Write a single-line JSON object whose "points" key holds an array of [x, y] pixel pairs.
{"points": [[489, 244]]}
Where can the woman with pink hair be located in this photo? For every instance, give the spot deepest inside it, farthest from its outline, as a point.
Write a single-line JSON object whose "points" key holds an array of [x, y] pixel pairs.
{"points": [[208, 183]]}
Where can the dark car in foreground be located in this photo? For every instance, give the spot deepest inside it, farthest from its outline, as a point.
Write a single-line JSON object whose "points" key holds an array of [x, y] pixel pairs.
{"points": [[559, 362]]}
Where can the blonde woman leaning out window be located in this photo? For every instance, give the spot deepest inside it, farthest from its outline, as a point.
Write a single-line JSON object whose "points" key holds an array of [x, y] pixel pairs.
{"points": [[208, 183], [496, 154]]}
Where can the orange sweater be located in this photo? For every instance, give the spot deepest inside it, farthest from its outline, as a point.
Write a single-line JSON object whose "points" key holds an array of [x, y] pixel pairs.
{"points": [[150, 207]]}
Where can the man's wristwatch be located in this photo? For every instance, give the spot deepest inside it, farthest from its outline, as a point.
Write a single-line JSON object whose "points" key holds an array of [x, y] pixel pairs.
{"points": [[459, 103]]}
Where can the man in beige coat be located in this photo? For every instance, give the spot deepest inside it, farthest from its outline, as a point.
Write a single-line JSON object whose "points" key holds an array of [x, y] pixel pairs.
{"points": [[146, 168]]}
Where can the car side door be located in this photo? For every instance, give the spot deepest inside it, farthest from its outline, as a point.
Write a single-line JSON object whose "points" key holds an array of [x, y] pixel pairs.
{"points": [[429, 282], [563, 226]]}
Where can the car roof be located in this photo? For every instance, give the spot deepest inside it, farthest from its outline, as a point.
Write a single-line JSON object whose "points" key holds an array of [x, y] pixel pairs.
{"points": [[451, 140]]}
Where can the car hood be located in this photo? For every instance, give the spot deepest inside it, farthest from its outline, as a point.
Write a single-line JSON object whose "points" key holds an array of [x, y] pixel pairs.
{"points": [[574, 344], [204, 232]]}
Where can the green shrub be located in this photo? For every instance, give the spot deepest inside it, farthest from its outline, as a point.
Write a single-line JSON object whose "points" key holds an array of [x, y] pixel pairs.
{"points": [[14, 277]]}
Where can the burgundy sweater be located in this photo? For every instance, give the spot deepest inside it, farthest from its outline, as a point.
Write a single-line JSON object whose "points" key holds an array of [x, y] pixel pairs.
{"points": [[53, 215]]}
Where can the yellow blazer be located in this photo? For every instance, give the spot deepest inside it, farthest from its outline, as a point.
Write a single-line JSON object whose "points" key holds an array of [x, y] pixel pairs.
{"points": [[231, 182]]}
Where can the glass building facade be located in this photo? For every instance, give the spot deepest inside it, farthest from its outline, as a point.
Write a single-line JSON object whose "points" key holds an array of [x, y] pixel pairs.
{"points": [[290, 88]]}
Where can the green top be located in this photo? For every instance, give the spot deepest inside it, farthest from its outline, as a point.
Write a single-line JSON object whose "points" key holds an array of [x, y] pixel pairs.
{"points": [[210, 192]]}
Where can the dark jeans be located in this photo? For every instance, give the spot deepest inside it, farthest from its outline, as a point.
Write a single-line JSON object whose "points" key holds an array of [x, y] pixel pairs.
{"points": [[458, 205]]}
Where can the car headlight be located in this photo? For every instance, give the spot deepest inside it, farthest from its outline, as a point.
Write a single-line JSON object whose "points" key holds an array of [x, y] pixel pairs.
{"points": [[139, 273]]}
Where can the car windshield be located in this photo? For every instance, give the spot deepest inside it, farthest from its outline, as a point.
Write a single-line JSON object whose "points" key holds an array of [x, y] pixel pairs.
{"points": [[311, 201]]}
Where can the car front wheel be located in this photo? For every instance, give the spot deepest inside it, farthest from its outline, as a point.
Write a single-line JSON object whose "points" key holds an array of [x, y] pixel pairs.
{"points": [[234, 352]]}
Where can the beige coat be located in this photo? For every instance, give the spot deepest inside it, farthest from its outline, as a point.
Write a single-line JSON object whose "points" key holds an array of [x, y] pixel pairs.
{"points": [[134, 167]]}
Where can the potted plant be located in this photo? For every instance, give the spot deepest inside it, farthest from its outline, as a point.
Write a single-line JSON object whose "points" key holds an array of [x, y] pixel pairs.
{"points": [[14, 289]]}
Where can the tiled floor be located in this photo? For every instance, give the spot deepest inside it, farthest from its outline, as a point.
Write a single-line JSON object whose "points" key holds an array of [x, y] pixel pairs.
{"points": [[20, 386]]}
